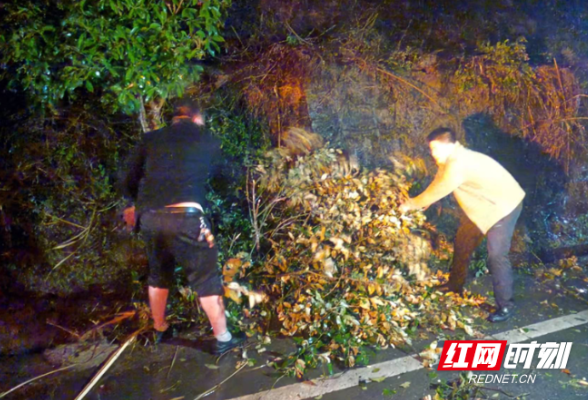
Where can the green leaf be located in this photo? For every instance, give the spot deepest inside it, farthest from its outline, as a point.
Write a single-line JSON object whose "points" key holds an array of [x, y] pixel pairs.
{"points": [[119, 38], [113, 6], [81, 40], [380, 379]]}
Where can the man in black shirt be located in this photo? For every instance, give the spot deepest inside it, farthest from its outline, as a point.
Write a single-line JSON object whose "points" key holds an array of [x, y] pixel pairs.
{"points": [[166, 178]]}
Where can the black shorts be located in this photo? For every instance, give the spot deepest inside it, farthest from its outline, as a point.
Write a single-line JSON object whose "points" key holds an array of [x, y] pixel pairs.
{"points": [[172, 239]]}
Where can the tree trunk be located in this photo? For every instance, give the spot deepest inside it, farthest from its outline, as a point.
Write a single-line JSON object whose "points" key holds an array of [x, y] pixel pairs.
{"points": [[150, 115]]}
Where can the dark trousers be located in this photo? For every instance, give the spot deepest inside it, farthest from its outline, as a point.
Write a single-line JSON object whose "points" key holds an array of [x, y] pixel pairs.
{"points": [[499, 237], [172, 239]]}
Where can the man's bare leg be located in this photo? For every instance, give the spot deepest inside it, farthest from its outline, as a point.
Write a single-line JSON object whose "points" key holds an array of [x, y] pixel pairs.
{"points": [[214, 307], [158, 302]]}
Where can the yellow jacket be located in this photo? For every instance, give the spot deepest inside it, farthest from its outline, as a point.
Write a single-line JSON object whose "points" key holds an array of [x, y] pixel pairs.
{"points": [[482, 187]]}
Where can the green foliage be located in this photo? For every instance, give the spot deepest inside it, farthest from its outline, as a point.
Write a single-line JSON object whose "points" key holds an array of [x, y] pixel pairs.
{"points": [[505, 64], [506, 53], [244, 143], [479, 260], [60, 188], [534, 103], [127, 50], [242, 137], [403, 60]]}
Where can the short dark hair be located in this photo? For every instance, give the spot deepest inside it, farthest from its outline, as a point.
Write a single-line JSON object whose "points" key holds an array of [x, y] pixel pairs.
{"points": [[186, 107], [445, 135]]}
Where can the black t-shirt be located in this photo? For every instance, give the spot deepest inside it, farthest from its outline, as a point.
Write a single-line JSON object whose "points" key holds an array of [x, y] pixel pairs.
{"points": [[171, 165]]}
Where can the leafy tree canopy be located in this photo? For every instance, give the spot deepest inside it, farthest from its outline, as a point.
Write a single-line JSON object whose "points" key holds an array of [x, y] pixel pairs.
{"points": [[127, 51]]}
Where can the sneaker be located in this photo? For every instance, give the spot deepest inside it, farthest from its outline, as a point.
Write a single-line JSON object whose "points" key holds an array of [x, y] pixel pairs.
{"points": [[502, 314], [164, 336], [237, 340]]}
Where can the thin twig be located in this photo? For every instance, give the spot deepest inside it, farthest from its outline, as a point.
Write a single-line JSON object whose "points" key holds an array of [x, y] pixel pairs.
{"points": [[215, 387], [35, 378], [238, 37], [393, 76], [573, 294], [233, 240], [295, 34], [65, 330], [501, 391], [65, 221], [277, 380], [178, 7], [334, 287], [113, 357], [173, 362], [72, 240], [118, 318]]}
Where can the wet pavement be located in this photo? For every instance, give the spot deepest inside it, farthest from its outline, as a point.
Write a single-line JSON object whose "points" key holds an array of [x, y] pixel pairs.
{"points": [[179, 371]]}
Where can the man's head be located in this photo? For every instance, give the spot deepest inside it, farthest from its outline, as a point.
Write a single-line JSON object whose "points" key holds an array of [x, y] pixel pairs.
{"points": [[186, 109], [442, 143]]}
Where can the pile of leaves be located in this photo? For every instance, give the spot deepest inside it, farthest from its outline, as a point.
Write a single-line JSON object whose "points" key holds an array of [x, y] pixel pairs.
{"points": [[344, 268]]}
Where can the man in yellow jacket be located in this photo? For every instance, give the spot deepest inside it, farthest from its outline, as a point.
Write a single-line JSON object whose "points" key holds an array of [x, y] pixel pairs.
{"points": [[492, 201]]}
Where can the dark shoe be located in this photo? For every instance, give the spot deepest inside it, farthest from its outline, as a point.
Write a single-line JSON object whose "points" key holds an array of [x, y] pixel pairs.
{"points": [[164, 336], [237, 340], [448, 287], [502, 314]]}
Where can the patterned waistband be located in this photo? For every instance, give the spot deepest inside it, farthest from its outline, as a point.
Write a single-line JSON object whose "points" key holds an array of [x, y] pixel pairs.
{"points": [[178, 210]]}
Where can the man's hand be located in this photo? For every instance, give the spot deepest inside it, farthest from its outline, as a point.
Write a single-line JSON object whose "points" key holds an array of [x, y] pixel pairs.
{"points": [[129, 218], [207, 234], [406, 206]]}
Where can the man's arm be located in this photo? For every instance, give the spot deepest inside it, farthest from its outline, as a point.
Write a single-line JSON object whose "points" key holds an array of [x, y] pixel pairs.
{"points": [[133, 173], [129, 184], [447, 179]]}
